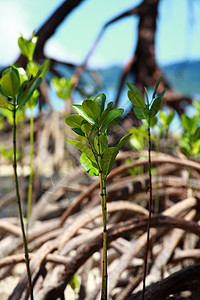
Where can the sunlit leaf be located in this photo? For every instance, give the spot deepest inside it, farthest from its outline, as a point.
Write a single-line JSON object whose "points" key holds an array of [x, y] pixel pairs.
{"points": [[92, 109], [74, 282], [27, 89], [28, 47], [79, 109], [10, 82], [83, 148], [74, 121], [88, 165]]}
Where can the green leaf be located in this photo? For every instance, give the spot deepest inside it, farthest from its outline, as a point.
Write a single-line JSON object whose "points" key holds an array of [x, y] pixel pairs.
{"points": [[86, 128], [88, 165], [123, 140], [105, 113], [113, 114], [155, 107], [33, 100], [92, 109], [28, 47], [156, 87], [32, 69], [190, 124], [103, 140], [27, 89], [108, 159], [137, 99], [100, 101], [10, 82], [133, 88], [74, 282], [140, 113], [74, 121], [83, 148], [62, 86], [79, 109], [78, 131], [162, 94], [196, 135], [4, 103], [146, 93]]}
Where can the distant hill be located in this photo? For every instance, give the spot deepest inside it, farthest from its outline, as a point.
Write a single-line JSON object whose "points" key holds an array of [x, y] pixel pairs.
{"points": [[184, 76]]}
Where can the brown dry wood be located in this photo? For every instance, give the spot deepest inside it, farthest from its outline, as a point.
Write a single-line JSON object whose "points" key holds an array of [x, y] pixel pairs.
{"points": [[179, 281], [170, 242], [134, 249], [122, 169], [8, 227], [85, 251], [185, 254], [18, 258]]}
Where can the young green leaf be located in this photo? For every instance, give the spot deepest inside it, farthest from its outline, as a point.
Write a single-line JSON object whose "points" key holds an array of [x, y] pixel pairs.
{"points": [[103, 140], [156, 87], [105, 113], [27, 89], [10, 82], [88, 165], [137, 99], [4, 103], [28, 47], [108, 159], [190, 124], [83, 148], [162, 94], [140, 113], [133, 88], [74, 121], [78, 131], [79, 109], [155, 107], [87, 128], [92, 109], [113, 114], [123, 140], [100, 100]]}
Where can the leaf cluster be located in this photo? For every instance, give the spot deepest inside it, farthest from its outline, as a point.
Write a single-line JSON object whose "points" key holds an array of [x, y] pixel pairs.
{"points": [[142, 109], [91, 122], [190, 137], [19, 86]]}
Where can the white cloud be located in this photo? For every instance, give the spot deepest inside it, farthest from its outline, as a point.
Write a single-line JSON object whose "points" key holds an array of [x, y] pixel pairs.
{"points": [[13, 23]]}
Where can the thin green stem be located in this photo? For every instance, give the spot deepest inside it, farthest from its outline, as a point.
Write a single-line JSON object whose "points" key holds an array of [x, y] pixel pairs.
{"points": [[104, 215], [31, 171], [19, 203], [149, 218]]}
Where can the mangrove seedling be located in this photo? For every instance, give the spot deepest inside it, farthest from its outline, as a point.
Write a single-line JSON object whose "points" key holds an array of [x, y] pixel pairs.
{"points": [[146, 110], [92, 122], [27, 48], [13, 97]]}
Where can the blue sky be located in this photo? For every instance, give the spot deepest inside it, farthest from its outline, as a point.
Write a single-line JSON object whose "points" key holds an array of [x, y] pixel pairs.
{"points": [[177, 37]]}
